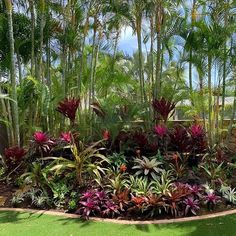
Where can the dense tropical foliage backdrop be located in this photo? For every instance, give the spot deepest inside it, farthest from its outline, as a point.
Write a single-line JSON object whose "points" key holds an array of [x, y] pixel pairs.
{"points": [[56, 49]]}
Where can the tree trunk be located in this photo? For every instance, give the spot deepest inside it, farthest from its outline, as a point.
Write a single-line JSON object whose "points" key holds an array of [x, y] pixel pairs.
{"points": [[31, 6], [224, 72], [190, 74], [159, 19], [140, 57], [15, 114], [151, 53], [42, 24], [19, 67], [230, 127], [93, 63], [210, 107]]}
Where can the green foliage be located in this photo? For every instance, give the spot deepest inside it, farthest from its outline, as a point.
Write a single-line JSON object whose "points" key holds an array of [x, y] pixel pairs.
{"points": [[228, 193], [82, 162], [117, 159], [163, 184], [140, 186]]}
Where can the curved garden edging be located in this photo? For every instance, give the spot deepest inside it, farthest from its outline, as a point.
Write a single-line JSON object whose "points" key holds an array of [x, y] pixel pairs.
{"points": [[116, 221]]}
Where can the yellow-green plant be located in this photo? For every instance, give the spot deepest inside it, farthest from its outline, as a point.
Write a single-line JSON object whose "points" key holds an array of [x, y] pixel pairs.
{"points": [[85, 160]]}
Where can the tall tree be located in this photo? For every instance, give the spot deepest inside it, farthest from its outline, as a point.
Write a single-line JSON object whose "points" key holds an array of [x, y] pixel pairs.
{"points": [[15, 114]]}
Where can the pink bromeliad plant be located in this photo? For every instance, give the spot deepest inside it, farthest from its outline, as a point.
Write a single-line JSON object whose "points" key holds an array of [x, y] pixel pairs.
{"points": [[68, 108], [66, 137], [42, 142], [161, 130], [197, 131]]}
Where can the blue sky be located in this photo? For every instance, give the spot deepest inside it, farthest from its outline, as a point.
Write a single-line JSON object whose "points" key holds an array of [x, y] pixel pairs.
{"points": [[128, 41]]}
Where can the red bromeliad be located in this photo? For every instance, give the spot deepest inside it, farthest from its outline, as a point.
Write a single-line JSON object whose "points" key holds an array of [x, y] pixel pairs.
{"points": [[40, 137], [196, 131], [15, 153], [123, 168], [66, 137], [164, 108], [138, 200], [68, 108], [106, 134]]}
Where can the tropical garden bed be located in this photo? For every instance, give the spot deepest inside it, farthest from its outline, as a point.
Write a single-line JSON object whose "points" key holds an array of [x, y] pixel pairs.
{"points": [[153, 174], [91, 131]]}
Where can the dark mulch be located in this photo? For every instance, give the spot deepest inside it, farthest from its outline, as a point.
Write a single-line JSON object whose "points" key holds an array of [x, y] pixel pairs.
{"points": [[6, 192]]}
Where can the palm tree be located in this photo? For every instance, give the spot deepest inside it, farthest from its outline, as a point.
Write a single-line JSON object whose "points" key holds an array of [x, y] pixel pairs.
{"points": [[137, 10], [15, 114]]}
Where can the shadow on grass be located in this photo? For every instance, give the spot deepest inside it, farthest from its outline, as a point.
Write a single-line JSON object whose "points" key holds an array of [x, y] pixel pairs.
{"points": [[16, 217], [222, 226], [80, 221], [211, 227]]}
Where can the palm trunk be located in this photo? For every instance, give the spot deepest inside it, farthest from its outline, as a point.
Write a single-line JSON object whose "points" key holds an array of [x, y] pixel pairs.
{"points": [[31, 6], [190, 74], [42, 24], [19, 66], [5, 115], [224, 71], [15, 114], [210, 125], [82, 54], [202, 101], [230, 127], [151, 54], [93, 62], [140, 57], [158, 55]]}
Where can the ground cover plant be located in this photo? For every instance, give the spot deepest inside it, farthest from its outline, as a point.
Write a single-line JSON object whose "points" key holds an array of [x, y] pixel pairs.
{"points": [[96, 132]]}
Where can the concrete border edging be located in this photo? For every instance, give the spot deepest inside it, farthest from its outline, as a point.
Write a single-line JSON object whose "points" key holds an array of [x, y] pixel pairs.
{"points": [[124, 222]]}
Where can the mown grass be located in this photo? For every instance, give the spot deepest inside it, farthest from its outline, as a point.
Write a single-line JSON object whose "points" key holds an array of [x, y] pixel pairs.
{"points": [[28, 224]]}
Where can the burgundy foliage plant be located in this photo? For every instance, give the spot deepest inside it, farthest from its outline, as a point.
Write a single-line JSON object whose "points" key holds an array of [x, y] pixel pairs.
{"points": [[180, 139], [191, 205], [15, 153], [68, 108], [164, 108], [96, 202]]}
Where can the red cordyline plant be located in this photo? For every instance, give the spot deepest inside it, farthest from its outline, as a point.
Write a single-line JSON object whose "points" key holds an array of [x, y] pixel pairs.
{"points": [[15, 153], [164, 108], [139, 138], [180, 140], [41, 142], [198, 138], [68, 108], [161, 130]]}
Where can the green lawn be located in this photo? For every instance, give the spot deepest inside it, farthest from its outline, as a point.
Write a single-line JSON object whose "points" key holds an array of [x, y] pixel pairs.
{"points": [[26, 224]]}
